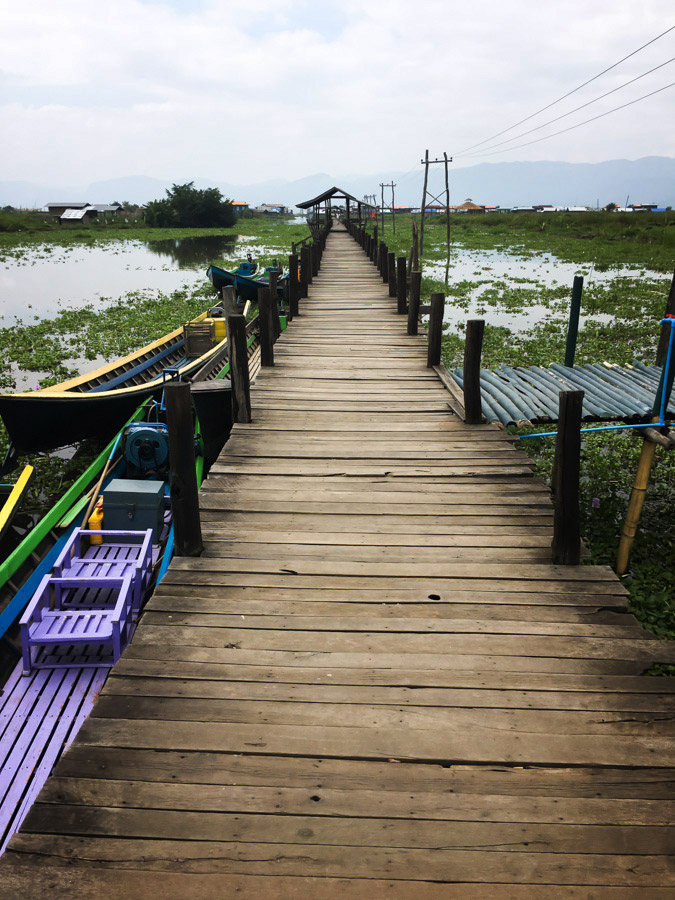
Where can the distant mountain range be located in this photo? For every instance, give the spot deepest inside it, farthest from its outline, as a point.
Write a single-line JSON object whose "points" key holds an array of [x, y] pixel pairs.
{"points": [[647, 180]]}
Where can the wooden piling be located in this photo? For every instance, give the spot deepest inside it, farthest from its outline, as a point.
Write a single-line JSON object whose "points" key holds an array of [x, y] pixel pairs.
{"points": [[573, 326], [304, 271], [293, 285], [183, 477], [239, 374], [373, 254], [566, 544], [314, 248], [273, 285], [382, 261], [391, 273], [473, 348], [401, 286], [662, 348], [414, 302], [229, 299], [435, 332], [266, 313]]}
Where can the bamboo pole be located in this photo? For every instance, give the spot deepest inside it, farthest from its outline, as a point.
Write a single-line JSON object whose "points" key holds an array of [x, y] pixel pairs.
{"points": [[637, 499]]}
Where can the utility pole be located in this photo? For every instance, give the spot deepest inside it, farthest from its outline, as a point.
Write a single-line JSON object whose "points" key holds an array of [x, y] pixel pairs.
{"points": [[391, 185], [426, 162]]}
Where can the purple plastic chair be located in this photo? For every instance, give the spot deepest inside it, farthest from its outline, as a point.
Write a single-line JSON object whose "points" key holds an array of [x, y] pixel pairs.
{"points": [[51, 630], [119, 553]]}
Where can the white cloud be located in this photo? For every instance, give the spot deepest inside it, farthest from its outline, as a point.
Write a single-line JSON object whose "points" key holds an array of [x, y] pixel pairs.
{"points": [[248, 90]]}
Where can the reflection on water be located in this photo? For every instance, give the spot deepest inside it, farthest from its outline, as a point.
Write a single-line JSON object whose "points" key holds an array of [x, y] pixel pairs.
{"points": [[43, 280], [194, 251]]}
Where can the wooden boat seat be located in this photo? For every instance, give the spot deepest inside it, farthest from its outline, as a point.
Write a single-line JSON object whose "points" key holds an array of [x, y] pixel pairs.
{"points": [[48, 622], [119, 553]]}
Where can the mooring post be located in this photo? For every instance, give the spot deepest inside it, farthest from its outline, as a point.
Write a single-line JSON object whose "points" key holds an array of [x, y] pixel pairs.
{"points": [[573, 326], [229, 299], [401, 286], [391, 273], [435, 329], [304, 271], [473, 348], [293, 285], [183, 476], [266, 313], [414, 301], [273, 284], [315, 259], [239, 374], [566, 542]]}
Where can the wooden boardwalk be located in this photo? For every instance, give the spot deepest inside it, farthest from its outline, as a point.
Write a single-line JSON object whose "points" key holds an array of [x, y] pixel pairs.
{"points": [[373, 683]]}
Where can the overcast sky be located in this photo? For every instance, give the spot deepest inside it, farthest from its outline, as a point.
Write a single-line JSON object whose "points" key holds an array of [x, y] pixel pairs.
{"points": [[244, 90]]}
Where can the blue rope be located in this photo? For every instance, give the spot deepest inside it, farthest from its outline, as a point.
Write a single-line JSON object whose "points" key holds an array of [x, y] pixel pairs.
{"points": [[670, 320]]}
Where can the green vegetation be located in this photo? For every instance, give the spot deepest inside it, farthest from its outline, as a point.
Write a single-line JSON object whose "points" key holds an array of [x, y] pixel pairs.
{"points": [[185, 206]]}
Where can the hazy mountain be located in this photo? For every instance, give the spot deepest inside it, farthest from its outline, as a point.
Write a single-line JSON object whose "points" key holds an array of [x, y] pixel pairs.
{"points": [[648, 180]]}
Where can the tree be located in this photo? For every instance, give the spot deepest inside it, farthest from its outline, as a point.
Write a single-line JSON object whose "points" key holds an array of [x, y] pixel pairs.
{"points": [[610, 207], [187, 207]]}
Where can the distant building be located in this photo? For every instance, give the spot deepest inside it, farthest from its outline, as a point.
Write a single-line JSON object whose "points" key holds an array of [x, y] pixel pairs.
{"points": [[644, 207], [107, 209], [239, 205], [58, 208], [401, 210], [275, 209], [85, 214], [468, 207]]}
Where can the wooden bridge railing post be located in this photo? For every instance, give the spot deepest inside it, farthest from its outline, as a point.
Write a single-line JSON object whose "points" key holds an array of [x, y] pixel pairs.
{"points": [[293, 285], [391, 273], [414, 301], [435, 330], [304, 272], [573, 325], [384, 263], [473, 348], [183, 476], [401, 286], [566, 544], [375, 245], [315, 260], [266, 312], [239, 374], [274, 294]]}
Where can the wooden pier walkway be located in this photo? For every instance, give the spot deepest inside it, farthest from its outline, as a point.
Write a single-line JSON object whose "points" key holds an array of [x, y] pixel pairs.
{"points": [[373, 683]]}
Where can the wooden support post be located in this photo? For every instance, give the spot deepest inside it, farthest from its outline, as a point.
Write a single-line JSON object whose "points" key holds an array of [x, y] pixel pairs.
{"points": [[424, 199], [415, 248], [266, 312], [473, 348], [401, 286], [391, 273], [662, 348], [573, 326], [315, 259], [435, 330], [566, 544], [310, 263], [384, 263], [274, 283], [414, 301], [183, 476], [373, 255], [239, 375], [304, 270], [293, 285], [229, 299]]}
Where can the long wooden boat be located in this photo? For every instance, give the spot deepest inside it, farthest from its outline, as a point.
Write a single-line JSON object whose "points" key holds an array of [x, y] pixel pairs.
{"points": [[13, 495], [42, 712], [245, 283], [96, 404]]}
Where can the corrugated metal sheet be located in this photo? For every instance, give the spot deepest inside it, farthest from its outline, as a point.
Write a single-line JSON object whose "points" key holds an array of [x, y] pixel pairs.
{"points": [[530, 394]]}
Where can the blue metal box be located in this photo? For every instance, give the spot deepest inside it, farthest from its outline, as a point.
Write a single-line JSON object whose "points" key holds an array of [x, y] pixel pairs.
{"points": [[130, 505]]}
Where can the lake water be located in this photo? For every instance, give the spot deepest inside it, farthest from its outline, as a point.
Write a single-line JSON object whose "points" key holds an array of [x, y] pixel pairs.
{"points": [[47, 278]]}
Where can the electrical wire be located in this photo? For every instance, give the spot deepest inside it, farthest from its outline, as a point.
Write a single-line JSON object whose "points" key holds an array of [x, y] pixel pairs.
{"points": [[568, 94], [578, 125], [576, 109]]}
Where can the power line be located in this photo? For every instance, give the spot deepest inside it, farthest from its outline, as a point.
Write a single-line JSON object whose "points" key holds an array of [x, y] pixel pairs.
{"points": [[578, 125], [568, 94], [576, 109]]}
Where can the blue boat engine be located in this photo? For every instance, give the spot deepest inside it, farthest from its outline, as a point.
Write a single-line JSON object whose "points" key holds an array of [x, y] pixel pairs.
{"points": [[146, 450]]}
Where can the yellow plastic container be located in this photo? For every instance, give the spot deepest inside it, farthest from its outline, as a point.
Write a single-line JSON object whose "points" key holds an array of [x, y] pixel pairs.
{"points": [[219, 328], [96, 523]]}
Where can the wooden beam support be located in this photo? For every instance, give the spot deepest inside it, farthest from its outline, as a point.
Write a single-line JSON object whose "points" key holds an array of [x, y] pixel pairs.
{"points": [[414, 302], [435, 333], [239, 374], [266, 312], [293, 285], [391, 274], [473, 348], [183, 476], [566, 545], [305, 264], [401, 286]]}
